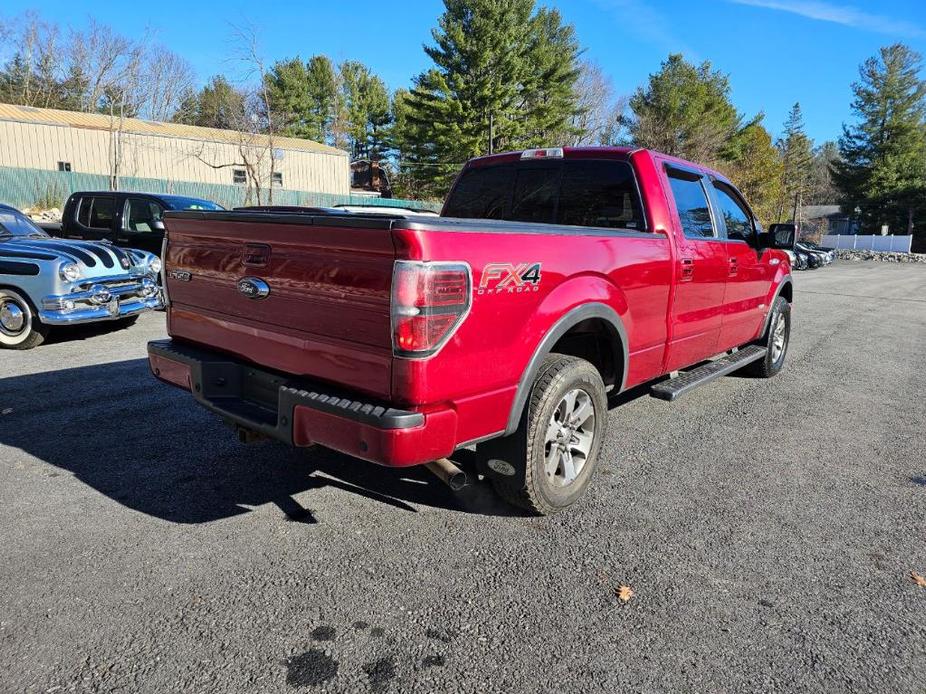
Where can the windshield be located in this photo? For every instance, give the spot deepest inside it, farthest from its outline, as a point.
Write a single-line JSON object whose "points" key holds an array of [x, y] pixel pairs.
{"points": [[13, 223], [193, 204]]}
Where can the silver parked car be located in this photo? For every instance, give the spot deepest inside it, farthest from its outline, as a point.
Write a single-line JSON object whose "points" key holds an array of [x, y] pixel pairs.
{"points": [[46, 282]]}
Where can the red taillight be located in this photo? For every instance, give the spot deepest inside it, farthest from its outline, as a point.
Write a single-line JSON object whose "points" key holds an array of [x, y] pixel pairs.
{"points": [[429, 301]]}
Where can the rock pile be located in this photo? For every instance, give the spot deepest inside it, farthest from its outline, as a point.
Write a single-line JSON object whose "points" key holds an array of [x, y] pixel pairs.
{"points": [[52, 215], [880, 256]]}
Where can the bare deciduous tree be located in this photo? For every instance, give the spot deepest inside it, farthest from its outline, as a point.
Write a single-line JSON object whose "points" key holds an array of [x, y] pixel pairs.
{"points": [[256, 138], [34, 61], [168, 78], [599, 109]]}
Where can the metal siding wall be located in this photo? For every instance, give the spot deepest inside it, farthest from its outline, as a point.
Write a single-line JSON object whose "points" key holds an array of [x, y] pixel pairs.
{"points": [[174, 160], [25, 187]]}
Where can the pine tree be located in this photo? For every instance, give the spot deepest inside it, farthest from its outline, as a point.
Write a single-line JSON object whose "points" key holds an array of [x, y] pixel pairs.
{"points": [[363, 109], [290, 99], [550, 98], [216, 105], [685, 110], [322, 99], [797, 165], [883, 167], [503, 78]]}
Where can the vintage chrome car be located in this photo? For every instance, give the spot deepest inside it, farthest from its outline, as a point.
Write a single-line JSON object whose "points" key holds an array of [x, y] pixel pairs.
{"points": [[47, 282]]}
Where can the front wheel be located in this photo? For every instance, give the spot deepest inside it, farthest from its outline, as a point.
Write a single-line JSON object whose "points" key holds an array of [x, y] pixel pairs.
{"points": [[776, 342], [19, 326], [553, 454]]}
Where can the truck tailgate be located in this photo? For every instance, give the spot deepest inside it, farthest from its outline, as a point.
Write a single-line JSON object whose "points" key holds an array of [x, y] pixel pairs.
{"points": [[326, 315]]}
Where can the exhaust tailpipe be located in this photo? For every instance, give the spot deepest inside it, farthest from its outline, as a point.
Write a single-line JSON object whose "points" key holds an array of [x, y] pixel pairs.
{"points": [[448, 473]]}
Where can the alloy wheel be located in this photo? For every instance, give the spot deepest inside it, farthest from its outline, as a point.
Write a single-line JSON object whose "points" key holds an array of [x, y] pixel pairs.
{"points": [[569, 437], [778, 339]]}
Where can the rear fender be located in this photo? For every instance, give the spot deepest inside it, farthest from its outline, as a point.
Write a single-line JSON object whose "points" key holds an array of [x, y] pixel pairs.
{"points": [[564, 308]]}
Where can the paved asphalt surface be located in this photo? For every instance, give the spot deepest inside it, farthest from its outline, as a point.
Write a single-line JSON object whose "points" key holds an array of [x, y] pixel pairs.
{"points": [[768, 529]]}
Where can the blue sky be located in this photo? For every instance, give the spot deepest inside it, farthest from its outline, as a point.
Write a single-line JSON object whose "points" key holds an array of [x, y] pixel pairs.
{"points": [[775, 51]]}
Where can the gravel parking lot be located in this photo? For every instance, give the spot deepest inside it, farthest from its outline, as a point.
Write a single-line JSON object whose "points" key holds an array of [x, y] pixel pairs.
{"points": [[767, 528]]}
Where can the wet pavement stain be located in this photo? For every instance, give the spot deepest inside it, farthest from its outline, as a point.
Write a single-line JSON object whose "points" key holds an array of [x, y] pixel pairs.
{"points": [[377, 632], [379, 672], [360, 625], [310, 668], [433, 661], [323, 633]]}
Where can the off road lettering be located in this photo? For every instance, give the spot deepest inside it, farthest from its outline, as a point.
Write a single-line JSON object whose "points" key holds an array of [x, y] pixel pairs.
{"points": [[498, 278]]}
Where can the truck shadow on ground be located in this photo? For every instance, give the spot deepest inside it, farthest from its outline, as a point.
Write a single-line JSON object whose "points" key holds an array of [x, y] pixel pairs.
{"points": [[87, 331], [150, 447]]}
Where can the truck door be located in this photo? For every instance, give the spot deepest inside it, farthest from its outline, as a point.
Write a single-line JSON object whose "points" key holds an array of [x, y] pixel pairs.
{"points": [[93, 219], [750, 275], [701, 271]]}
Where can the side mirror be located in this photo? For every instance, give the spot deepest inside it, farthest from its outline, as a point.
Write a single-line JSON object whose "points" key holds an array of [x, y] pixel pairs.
{"points": [[157, 225], [781, 236]]}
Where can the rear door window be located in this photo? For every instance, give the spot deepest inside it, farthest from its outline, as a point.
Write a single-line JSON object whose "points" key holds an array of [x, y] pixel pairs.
{"points": [[691, 202], [96, 212]]}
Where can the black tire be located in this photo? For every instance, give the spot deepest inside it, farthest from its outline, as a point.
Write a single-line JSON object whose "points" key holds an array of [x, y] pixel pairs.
{"points": [[528, 453], [774, 359], [29, 332]]}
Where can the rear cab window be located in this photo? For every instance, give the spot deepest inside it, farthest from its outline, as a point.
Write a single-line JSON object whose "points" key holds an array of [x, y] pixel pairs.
{"points": [[576, 192], [482, 193]]}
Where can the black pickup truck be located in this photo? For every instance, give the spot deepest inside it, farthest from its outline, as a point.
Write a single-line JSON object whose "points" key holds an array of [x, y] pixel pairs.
{"points": [[131, 220]]}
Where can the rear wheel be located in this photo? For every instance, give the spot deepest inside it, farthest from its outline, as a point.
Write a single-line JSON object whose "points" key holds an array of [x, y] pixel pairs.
{"points": [[553, 454], [776, 341], [19, 326]]}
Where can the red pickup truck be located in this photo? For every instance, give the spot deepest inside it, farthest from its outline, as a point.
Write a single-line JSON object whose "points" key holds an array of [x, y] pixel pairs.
{"points": [[551, 279]]}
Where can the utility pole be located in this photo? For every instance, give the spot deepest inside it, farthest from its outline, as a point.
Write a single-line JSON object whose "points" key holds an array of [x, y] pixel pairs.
{"points": [[491, 133]]}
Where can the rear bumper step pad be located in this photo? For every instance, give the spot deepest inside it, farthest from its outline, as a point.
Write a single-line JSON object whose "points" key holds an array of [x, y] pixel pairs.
{"points": [[689, 380]]}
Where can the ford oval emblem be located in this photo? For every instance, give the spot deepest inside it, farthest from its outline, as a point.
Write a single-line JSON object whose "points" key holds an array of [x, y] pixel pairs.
{"points": [[253, 287]]}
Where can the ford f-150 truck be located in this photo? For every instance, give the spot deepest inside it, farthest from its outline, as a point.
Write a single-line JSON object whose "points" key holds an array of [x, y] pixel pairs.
{"points": [[552, 279]]}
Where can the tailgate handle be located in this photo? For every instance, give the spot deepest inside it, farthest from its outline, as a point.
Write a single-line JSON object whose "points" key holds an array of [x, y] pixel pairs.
{"points": [[255, 254]]}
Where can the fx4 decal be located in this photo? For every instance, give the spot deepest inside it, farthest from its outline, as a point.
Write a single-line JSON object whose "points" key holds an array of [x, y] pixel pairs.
{"points": [[508, 278]]}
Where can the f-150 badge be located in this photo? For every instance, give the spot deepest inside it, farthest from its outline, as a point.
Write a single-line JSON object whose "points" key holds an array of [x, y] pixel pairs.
{"points": [[509, 278]]}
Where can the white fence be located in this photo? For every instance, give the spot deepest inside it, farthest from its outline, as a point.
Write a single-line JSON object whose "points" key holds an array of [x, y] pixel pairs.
{"points": [[896, 244]]}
